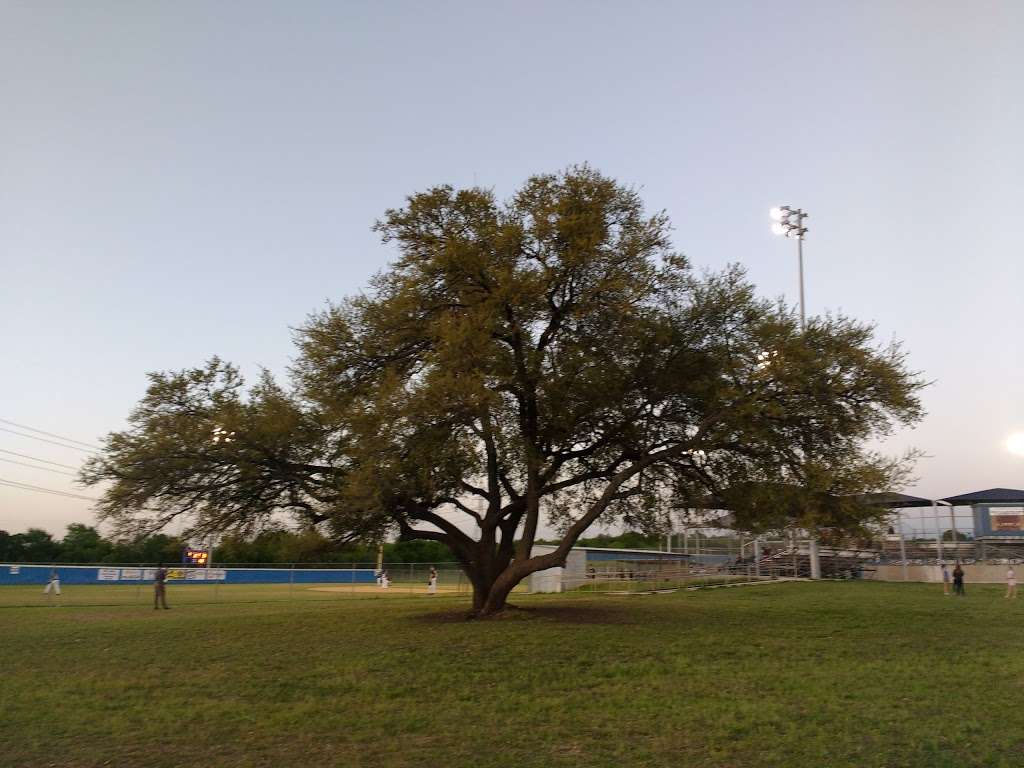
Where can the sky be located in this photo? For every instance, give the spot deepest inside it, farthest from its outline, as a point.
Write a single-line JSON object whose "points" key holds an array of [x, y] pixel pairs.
{"points": [[179, 180]]}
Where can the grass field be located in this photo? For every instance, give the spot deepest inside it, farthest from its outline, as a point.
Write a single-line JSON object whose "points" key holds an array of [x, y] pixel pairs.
{"points": [[797, 674], [109, 595]]}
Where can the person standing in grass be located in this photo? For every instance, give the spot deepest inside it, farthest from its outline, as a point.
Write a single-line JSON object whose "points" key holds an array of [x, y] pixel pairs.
{"points": [[432, 581], [160, 588], [54, 582], [1011, 582], [958, 580], [945, 578]]}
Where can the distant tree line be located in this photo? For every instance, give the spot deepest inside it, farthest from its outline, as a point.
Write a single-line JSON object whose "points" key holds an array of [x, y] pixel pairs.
{"points": [[85, 544]]}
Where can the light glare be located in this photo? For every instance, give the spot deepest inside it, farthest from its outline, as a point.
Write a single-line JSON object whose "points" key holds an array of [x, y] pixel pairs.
{"points": [[778, 228], [1015, 444], [776, 214]]}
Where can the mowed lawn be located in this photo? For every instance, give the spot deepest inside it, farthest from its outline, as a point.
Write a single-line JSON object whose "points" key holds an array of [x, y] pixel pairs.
{"points": [[797, 674]]}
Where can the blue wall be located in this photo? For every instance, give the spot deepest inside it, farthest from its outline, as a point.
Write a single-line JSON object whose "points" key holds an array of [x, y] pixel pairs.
{"points": [[40, 574]]}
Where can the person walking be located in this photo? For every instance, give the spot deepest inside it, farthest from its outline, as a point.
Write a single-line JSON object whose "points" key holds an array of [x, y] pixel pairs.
{"points": [[54, 582], [432, 581], [945, 578], [1011, 582], [160, 588], [958, 580]]}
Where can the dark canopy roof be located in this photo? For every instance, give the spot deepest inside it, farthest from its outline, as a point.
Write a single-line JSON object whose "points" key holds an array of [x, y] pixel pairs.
{"points": [[991, 496], [887, 500], [895, 500]]}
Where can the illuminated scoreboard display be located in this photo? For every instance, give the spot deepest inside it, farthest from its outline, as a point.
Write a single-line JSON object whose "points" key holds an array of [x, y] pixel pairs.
{"points": [[195, 557]]}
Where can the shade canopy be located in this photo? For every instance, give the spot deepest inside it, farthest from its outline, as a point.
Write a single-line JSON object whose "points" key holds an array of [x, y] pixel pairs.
{"points": [[885, 500], [895, 500], [990, 496]]}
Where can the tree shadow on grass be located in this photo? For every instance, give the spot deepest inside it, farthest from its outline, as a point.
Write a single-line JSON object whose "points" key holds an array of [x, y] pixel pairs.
{"points": [[563, 614]]}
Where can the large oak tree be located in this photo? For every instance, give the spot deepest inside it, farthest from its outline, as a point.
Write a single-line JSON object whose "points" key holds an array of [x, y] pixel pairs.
{"points": [[549, 357]]}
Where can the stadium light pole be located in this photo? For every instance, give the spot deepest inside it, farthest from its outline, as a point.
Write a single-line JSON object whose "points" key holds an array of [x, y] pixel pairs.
{"points": [[698, 458], [220, 436], [789, 222]]}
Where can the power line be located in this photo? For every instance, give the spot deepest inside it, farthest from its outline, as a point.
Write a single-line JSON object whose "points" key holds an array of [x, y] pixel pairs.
{"points": [[33, 466], [39, 489], [44, 440], [51, 434], [35, 458]]}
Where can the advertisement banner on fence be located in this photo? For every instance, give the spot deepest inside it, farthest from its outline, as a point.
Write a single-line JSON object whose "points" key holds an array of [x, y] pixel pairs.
{"points": [[1007, 520], [108, 574]]}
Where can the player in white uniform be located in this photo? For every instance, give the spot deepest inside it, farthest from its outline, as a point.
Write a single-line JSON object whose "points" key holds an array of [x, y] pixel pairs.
{"points": [[1011, 582], [432, 581], [53, 583]]}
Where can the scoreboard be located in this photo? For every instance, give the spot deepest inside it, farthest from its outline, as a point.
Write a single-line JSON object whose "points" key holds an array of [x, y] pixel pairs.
{"points": [[199, 557]]}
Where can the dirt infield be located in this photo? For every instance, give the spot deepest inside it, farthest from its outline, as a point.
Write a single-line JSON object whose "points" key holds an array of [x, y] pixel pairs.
{"points": [[398, 589]]}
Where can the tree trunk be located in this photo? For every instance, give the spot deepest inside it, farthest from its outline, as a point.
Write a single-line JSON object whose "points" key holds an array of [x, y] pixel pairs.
{"points": [[497, 598], [490, 591]]}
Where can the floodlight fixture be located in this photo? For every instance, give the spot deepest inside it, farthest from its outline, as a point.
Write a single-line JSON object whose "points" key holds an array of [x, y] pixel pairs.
{"points": [[789, 222]]}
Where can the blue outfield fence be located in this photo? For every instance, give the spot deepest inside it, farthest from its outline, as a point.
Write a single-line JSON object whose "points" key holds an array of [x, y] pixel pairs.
{"points": [[13, 573]]}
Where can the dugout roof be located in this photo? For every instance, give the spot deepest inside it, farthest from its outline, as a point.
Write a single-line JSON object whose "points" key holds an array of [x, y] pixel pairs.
{"points": [[895, 500], [990, 496]]}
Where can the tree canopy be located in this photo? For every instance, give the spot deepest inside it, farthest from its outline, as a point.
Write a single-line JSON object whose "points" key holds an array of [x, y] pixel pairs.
{"points": [[550, 356]]}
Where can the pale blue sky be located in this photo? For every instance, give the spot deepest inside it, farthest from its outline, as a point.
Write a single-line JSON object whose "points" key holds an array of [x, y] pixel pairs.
{"points": [[185, 179]]}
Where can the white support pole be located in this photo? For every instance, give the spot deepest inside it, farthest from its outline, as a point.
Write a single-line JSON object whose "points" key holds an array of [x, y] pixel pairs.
{"points": [[813, 554], [938, 531], [757, 556], [903, 546], [979, 541]]}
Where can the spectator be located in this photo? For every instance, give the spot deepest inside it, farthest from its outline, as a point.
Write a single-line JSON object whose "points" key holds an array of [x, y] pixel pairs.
{"points": [[945, 578], [1011, 582], [958, 580]]}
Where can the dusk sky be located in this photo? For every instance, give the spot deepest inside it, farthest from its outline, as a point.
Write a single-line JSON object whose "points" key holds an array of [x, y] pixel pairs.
{"points": [[179, 180]]}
